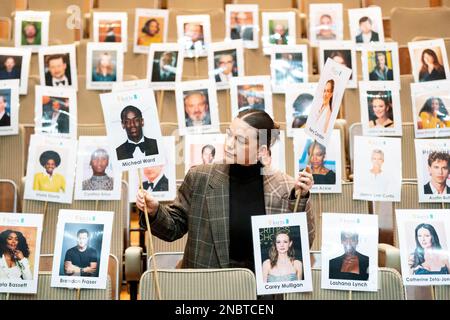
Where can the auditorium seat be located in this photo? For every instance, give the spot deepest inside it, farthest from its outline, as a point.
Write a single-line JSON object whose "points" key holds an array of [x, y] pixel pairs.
{"points": [[27, 102], [61, 28], [7, 7], [5, 28], [405, 97], [46, 292], [8, 196], [442, 292], [264, 4], [165, 260], [203, 284], [318, 293], [52, 5], [123, 5], [51, 210], [198, 4], [112, 291], [165, 246], [350, 109], [390, 287], [12, 160], [135, 64], [387, 5], [407, 23]]}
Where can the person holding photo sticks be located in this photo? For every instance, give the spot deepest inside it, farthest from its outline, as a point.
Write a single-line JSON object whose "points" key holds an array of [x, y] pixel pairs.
{"points": [[215, 202]]}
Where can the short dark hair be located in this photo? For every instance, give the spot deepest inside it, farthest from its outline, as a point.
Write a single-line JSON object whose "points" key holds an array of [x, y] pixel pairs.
{"points": [[438, 155], [47, 155], [55, 57], [210, 147], [261, 120], [3, 97], [321, 147], [83, 231], [364, 19], [146, 27], [128, 109]]}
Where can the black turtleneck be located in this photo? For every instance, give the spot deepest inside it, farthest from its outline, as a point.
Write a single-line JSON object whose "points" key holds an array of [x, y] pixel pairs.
{"points": [[246, 200]]}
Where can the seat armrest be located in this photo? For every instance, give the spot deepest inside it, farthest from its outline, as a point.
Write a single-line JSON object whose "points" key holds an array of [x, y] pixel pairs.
{"points": [[133, 263]]}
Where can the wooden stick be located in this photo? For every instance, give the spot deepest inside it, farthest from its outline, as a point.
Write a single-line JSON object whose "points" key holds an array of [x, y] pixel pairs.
{"points": [[228, 105], [298, 193], [45, 208], [78, 294], [433, 292], [349, 294], [96, 205], [7, 296], [160, 104], [196, 65], [147, 222]]}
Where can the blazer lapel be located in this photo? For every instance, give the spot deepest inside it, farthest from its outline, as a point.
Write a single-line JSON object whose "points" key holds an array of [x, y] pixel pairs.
{"points": [[217, 199]]}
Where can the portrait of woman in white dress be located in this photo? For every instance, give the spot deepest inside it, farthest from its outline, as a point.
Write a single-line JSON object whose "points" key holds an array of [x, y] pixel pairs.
{"points": [[14, 256], [323, 114]]}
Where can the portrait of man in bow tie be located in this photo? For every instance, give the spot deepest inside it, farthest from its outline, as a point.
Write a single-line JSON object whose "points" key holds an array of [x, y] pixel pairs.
{"points": [[156, 179], [57, 70], [137, 145]]}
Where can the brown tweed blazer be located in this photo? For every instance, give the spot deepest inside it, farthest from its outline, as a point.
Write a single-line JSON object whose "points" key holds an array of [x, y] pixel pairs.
{"points": [[202, 208]]}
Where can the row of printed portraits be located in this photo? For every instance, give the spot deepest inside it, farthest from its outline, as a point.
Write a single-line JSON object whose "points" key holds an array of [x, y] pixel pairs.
{"points": [[197, 105], [194, 31], [80, 260], [348, 258], [377, 167], [289, 64], [349, 253]]}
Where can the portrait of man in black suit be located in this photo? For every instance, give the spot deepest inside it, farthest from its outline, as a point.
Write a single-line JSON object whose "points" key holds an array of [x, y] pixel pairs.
{"points": [[58, 70], [164, 66], [225, 66], [366, 33], [10, 67], [137, 145], [55, 115], [381, 71], [438, 170], [156, 180], [352, 265], [242, 26], [5, 119]]}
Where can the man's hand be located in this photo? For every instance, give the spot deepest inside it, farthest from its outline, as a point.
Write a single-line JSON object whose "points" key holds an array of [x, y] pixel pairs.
{"points": [[143, 198], [304, 181]]}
